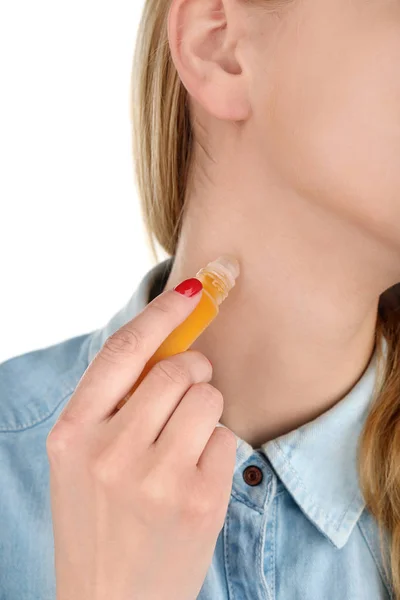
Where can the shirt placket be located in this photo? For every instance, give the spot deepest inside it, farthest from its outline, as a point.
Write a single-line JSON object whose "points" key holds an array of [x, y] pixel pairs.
{"points": [[246, 549]]}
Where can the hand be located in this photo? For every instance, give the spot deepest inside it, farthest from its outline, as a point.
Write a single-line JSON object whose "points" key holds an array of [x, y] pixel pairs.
{"points": [[139, 496]]}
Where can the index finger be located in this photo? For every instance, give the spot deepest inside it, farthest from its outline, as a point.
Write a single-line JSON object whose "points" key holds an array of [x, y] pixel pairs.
{"points": [[118, 364]]}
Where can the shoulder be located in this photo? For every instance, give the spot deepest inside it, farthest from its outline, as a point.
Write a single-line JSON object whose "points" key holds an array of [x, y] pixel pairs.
{"points": [[33, 385]]}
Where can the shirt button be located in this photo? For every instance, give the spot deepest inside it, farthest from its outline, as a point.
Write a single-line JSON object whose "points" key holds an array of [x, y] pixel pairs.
{"points": [[252, 475]]}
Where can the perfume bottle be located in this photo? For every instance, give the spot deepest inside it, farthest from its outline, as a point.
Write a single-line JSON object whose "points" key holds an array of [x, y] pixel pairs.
{"points": [[218, 278]]}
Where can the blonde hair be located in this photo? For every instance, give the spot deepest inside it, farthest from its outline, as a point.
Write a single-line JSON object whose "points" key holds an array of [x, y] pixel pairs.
{"points": [[163, 147]]}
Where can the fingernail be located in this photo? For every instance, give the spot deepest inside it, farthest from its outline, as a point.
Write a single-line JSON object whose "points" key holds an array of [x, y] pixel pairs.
{"points": [[189, 287]]}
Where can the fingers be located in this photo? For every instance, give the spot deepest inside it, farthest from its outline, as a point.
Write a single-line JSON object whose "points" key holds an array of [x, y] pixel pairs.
{"points": [[154, 403], [186, 434], [175, 410], [120, 361], [217, 464]]}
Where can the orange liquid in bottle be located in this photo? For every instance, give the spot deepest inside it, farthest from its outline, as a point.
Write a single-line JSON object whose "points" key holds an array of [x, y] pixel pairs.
{"points": [[218, 278]]}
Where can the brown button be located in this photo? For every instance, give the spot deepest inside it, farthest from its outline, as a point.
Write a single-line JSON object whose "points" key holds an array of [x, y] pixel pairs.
{"points": [[252, 475]]}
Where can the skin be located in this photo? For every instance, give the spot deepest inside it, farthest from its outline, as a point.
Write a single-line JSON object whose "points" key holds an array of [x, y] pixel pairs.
{"points": [[296, 173], [298, 127], [139, 496]]}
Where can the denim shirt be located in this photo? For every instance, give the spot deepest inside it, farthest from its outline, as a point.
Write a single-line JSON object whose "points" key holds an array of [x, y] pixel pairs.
{"points": [[296, 527]]}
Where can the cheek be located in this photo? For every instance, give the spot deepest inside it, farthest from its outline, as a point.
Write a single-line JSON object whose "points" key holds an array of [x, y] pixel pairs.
{"points": [[333, 125]]}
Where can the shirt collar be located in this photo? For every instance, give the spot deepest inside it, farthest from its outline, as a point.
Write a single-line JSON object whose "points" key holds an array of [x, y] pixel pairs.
{"points": [[316, 462]]}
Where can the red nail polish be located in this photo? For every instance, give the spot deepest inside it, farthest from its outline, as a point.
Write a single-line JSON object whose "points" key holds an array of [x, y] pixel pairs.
{"points": [[189, 287]]}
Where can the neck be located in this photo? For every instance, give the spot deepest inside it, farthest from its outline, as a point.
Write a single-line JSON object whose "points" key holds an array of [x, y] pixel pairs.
{"points": [[297, 331]]}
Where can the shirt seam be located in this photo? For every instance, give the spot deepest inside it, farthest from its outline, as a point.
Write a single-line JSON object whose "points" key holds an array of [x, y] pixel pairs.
{"points": [[40, 420], [261, 544], [66, 388], [226, 556], [243, 500]]}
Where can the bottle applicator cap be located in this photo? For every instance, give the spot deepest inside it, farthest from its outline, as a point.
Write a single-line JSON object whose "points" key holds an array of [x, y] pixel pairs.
{"points": [[228, 265]]}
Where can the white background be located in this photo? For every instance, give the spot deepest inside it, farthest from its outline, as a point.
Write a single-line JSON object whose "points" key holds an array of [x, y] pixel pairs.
{"points": [[72, 243]]}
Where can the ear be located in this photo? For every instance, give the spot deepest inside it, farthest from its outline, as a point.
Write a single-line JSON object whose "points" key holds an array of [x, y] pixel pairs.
{"points": [[204, 38]]}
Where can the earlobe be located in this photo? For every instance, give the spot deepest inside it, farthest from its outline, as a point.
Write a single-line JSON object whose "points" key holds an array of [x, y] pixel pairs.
{"points": [[203, 49]]}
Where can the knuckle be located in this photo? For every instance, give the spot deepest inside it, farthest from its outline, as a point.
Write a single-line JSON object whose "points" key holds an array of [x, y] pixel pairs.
{"points": [[198, 511], [105, 472], [157, 499], [203, 506], [153, 490], [199, 358], [161, 304], [170, 371], [121, 342], [227, 437], [61, 439], [210, 394], [111, 467]]}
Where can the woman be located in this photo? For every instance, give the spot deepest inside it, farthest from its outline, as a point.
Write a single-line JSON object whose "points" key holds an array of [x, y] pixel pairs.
{"points": [[269, 130]]}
